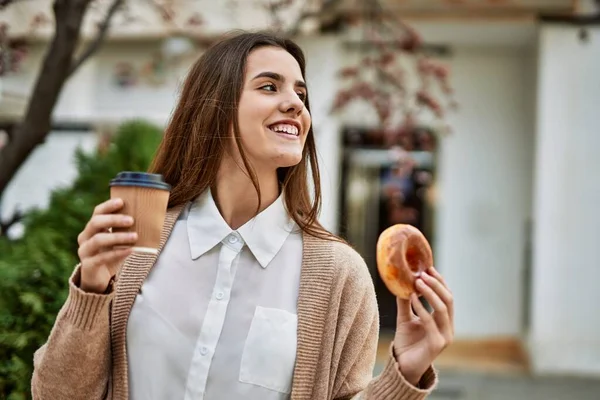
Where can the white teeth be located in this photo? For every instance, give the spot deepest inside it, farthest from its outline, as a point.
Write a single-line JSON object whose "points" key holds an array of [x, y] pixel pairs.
{"points": [[291, 129]]}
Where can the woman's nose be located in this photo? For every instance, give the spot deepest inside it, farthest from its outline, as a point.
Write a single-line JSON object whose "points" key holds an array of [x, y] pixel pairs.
{"points": [[292, 104]]}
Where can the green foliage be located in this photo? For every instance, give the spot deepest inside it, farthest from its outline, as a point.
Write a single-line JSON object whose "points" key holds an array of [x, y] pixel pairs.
{"points": [[34, 270]]}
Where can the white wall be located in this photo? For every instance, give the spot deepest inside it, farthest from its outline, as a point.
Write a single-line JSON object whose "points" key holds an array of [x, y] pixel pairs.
{"points": [[77, 100], [484, 186], [147, 100], [565, 334], [91, 95], [485, 190], [324, 56]]}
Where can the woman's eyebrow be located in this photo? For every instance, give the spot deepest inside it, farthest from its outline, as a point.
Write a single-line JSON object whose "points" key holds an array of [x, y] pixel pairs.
{"points": [[277, 77]]}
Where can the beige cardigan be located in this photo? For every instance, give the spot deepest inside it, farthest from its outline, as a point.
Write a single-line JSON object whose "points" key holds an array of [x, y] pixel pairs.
{"points": [[85, 356]]}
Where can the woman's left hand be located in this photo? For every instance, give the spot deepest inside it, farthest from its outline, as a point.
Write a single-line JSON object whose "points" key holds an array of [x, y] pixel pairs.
{"points": [[421, 337]]}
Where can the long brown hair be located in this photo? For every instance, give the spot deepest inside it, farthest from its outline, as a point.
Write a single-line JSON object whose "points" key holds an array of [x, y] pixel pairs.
{"points": [[198, 134]]}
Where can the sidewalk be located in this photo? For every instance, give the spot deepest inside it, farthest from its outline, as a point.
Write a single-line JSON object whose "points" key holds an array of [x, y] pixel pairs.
{"points": [[472, 386], [486, 382]]}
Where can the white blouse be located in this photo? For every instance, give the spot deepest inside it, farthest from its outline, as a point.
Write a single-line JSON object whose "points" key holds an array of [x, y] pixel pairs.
{"points": [[216, 317]]}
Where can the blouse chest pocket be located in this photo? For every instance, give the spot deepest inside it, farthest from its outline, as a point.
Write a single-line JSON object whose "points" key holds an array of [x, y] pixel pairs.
{"points": [[270, 350]]}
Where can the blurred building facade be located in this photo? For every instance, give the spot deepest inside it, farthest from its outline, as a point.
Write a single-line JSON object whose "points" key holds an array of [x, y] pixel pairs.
{"points": [[513, 210]]}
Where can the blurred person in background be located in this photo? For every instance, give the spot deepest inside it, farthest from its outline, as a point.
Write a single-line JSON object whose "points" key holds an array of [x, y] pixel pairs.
{"points": [[250, 297]]}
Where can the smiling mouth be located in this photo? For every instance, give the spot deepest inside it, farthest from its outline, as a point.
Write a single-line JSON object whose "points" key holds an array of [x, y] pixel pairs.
{"points": [[285, 129]]}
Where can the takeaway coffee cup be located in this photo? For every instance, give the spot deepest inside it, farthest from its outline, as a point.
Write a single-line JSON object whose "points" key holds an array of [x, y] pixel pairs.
{"points": [[145, 197]]}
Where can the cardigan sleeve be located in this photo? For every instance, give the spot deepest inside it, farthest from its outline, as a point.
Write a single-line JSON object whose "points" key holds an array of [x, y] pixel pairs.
{"points": [[75, 361], [355, 372], [390, 384]]}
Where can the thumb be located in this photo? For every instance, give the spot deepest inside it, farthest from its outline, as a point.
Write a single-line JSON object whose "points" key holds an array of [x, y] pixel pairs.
{"points": [[405, 312]]}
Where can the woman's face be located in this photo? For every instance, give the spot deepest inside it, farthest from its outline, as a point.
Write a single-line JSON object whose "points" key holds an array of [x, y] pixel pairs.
{"points": [[272, 118]]}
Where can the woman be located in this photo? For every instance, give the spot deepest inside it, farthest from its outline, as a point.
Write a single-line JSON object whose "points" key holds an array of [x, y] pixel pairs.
{"points": [[250, 297]]}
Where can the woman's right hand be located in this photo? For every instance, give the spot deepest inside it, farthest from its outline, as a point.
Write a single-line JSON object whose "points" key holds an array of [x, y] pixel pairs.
{"points": [[99, 259]]}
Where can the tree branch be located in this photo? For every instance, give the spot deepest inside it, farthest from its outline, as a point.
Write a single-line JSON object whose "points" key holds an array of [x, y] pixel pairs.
{"points": [[6, 3], [166, 12], [101, 35], [326, 8], [5, 226], [50, 80]]}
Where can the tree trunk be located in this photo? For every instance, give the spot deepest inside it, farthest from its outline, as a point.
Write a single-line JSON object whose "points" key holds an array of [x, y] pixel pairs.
{"points": [[53, 75]]}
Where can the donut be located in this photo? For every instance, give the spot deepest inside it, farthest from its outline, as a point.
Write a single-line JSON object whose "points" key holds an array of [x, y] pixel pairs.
{"points": [[403, 253]]}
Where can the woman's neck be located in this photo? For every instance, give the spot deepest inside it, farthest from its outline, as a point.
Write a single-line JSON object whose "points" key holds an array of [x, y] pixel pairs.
{"points": [[236, 197]]}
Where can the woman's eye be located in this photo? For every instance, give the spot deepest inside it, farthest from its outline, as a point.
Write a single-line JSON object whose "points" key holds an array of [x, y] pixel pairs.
{"points": [[269, 87]]}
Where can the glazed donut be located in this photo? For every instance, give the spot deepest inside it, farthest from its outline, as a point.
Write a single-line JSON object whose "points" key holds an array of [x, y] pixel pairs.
{"points": [[403, 253]]}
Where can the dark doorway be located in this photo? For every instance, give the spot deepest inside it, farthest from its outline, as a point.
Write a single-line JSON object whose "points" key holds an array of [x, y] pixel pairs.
{"points": [[379, 192]]}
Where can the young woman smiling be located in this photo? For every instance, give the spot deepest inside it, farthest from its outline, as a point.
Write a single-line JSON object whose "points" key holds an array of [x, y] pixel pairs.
{"points": [[249, 296]]}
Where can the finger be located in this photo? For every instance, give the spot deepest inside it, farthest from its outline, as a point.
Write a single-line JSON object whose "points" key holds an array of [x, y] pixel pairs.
{"points": [[105, 240], [110, 258], [435, 337], [101, 223], [109, 206], [434, 272], [404, 310], [440, 311], [442, 291], [424, 315]]}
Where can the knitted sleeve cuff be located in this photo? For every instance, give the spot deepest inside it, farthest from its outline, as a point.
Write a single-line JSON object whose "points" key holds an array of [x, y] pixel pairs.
{"points": [[392, 385], [85, 310]]}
